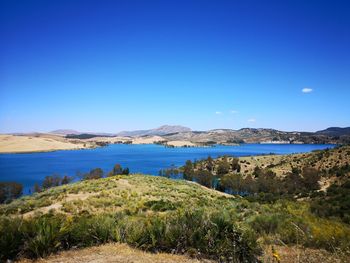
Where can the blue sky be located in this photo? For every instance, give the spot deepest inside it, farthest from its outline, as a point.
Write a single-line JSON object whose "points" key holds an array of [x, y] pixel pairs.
{"points": [[123, 65]]}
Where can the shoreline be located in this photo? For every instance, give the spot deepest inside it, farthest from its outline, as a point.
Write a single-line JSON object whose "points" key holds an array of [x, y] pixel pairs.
{"points": [[42, 143], [164, 145]]}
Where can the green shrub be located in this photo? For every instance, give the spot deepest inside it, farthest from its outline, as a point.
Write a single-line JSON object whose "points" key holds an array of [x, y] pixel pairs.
{"points": [[11, 237], [212, 234], [43, 236], [160, 205]]}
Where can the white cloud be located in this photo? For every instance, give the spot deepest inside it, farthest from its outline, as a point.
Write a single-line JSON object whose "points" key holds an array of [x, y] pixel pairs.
{"points": [[306, 90], [252, 120], [218, 112], [233, 112]]}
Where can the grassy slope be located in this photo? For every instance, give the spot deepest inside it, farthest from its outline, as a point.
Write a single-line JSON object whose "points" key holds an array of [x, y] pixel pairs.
{"points": [[139, 197], [323, 160], [133, 193]]}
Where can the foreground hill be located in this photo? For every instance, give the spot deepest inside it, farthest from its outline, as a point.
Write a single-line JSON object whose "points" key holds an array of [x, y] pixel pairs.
{"points": [[158, 214]]}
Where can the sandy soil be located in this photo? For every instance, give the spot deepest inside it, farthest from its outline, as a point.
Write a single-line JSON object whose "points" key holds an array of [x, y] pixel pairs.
{"points": [[21, 144], [42, 142], [122, 253], [146, 140], [116, 253], [181, 143], [294, 254], [116, 139]]}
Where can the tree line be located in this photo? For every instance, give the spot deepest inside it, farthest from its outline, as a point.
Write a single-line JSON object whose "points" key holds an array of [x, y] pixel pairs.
{"points": [[12, 190], [225, 175]]}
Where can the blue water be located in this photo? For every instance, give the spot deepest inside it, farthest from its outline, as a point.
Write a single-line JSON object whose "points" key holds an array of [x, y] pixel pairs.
{"points": [[31, 168]]}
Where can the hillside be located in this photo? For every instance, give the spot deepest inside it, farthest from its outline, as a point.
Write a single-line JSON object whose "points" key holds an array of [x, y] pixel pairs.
{"points": [[64, 132], [251, 135], [335, 131], [323, 167], [35, 143], [162, 130], [164, 215], [169, 136], [41, 142]]}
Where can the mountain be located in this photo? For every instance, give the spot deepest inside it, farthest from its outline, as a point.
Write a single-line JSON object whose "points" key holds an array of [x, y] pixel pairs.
{"points": [[262, 135], [64, 132], [334, 135], [162, 130], [335, 131]]}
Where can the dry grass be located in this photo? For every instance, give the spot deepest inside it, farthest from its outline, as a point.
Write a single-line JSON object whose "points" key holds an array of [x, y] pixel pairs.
{"points": [[282, 164], [294, 254], [116, 253]]}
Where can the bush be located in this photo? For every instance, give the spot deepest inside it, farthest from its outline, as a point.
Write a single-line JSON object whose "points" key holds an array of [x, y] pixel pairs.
{"points": [[160, 205], [10, 191], [211, 234], [11, 238]]}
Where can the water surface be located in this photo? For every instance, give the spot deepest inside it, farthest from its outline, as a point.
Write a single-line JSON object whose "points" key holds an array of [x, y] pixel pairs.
{"points": [[31, 168]]}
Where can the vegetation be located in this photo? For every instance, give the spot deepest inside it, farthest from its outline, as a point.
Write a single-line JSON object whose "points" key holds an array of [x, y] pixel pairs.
{"points": [[159, 214], [144, 211], [83, 136], [234, 224], [96, 173], [118, 170], [334, 203], [10, 191]]}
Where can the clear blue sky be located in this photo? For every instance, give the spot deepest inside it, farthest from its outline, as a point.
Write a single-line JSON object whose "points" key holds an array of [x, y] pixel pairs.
{"points": [[123, 65]]}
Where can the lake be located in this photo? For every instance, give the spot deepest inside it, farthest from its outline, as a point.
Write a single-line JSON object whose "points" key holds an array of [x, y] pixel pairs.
{"points": [[31, 168]]}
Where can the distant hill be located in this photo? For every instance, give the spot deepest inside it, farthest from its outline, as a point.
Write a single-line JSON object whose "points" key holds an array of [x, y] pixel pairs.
{"points": [[335, 131], [262, 135], [334, 135], [65, 132], [162, 130]]}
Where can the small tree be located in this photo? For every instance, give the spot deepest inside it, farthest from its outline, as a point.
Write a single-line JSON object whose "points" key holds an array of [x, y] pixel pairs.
{"points": [[37, 188], [51, 181], [10, 191], [204, 177], [235, 165], [310, 178], [293, 183], [16, 190], [66, 179], [188, 172], [3, 195], [96, 173], [126, 171], [210, 164], [233, 182], [223, 167], [257, 171], [117, 169]]}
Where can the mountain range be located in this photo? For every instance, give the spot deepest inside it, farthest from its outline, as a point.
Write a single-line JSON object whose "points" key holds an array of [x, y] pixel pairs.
{"points": [[224, 136], [162, 130]]}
